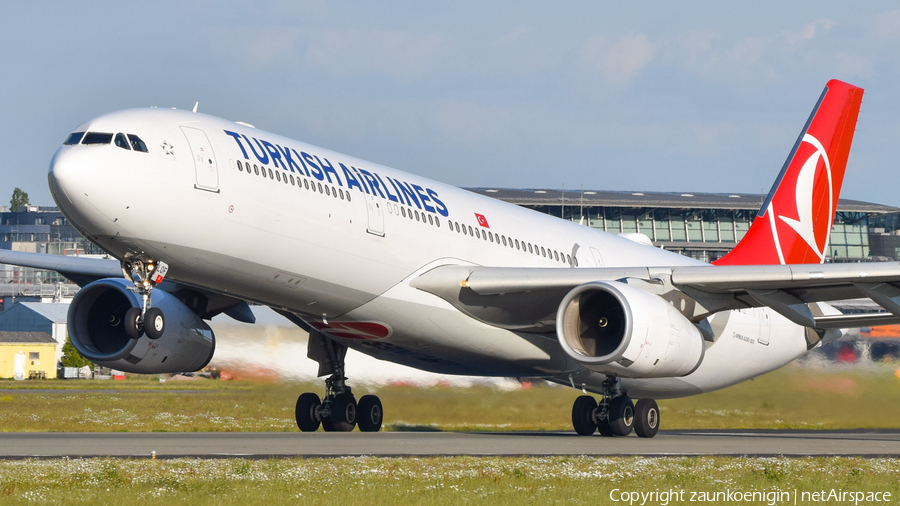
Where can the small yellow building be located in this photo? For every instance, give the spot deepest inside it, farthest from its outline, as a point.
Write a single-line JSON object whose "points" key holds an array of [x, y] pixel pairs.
{"points": [[25, 355]]}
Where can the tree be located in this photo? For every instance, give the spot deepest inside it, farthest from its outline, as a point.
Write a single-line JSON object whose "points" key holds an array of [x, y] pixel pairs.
{"points": [[71, 357], [19, 199]]}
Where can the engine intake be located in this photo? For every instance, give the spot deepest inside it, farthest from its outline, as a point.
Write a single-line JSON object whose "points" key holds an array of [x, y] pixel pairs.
{"points": [[614, 328], [96, 328]]}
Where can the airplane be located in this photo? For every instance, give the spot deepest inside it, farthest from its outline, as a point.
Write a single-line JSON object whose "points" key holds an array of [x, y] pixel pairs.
{"points": [[203, 215]]}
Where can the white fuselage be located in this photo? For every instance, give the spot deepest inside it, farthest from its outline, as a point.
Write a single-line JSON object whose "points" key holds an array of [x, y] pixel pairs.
{"points": [[341, 245]]}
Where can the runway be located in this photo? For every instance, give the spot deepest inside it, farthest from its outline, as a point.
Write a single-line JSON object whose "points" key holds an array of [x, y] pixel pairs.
{"points": [[875, 443]]}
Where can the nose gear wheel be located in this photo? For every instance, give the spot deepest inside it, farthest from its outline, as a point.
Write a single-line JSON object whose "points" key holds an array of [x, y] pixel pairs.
{"points": [[145, 273]]}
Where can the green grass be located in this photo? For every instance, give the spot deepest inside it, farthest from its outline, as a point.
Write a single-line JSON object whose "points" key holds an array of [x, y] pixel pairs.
{"points": [[133, 382], [426, 481], [796, 398], [789, 398], [792, 397]]}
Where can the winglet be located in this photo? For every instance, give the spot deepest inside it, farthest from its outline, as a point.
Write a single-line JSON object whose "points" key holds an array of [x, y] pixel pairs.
{"points": [[793, 225]]}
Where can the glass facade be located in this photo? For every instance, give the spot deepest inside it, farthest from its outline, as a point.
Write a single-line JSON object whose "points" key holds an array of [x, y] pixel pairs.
{"points": [[38, 229], [708, 234], [884, 236]]}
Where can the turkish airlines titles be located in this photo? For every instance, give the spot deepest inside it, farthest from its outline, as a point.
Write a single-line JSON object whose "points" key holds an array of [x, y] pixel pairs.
{"points": [[312, 165]]}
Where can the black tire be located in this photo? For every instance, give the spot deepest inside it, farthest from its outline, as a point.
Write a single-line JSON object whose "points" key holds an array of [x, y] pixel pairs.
{"points": [[132, 323], [369, 413], [646, 418], [604, 429], [621, 416], [343, 413], [154, 323], [583, 415], [305, 412]]}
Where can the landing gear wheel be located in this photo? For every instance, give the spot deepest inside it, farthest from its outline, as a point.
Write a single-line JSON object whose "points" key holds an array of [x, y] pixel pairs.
{"points": [[305, 412], [621, 416], [583, 415], [343, 413], [132, 322], [646, 418], [369, 413], [154, 323], [604, 428]]}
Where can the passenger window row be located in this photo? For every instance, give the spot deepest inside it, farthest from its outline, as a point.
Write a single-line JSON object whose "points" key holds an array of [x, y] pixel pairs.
{"points": [[298, 181], [499, 239], [413, 214], [128, 142]]}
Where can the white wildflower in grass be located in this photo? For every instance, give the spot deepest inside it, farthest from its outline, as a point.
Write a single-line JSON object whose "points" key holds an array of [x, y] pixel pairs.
{"points": [[374, 480]]}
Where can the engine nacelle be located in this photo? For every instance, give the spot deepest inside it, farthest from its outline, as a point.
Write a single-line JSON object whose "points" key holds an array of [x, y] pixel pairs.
{"points": [[614, 328], [97, 331]]}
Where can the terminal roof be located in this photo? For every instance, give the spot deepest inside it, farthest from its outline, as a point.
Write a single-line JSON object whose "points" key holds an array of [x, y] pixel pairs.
{"points": [[644, 199]]}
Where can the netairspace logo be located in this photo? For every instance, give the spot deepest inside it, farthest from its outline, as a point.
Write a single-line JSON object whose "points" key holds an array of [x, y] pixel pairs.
{"points": [[770, 497]]}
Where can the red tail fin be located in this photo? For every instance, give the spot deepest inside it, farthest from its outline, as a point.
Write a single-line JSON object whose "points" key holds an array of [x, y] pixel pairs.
{"points": [[794, 224]]}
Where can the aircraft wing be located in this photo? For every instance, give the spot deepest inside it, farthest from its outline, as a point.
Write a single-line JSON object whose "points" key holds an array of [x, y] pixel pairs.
{"points": [[83, 271], [527, 298], [78, 269]]}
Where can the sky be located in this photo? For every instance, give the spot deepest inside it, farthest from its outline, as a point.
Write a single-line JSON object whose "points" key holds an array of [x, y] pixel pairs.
{"points": [[656, 96]]}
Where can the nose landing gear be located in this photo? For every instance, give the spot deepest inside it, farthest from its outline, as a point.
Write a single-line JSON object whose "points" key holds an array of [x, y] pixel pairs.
{"points": [[145, 274], [338, 411], [616, 414]]}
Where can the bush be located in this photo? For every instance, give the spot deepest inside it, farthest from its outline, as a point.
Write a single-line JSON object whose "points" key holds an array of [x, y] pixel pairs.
{"points": [[71, 357]]}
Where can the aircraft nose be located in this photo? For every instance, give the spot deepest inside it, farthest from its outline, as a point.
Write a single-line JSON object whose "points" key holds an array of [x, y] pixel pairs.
{"points": [[68, 170]]}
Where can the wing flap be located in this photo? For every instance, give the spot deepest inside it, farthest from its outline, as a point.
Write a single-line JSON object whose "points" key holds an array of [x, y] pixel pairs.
{"points": [[856, 320], [738, 278], [788, 288]]}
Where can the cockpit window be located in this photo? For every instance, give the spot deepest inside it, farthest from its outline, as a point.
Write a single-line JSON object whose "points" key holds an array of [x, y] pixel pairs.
{"points": [[97, 138], [121, 141], [74, 138], [137, 144]]}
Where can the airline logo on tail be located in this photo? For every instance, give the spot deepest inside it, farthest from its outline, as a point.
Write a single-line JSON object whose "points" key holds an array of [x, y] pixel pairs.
{"points": [[794, 224], [804, 195]]}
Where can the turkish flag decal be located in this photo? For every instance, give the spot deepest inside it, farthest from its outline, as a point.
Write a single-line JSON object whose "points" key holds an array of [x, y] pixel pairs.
{"points": [[482, 220]]}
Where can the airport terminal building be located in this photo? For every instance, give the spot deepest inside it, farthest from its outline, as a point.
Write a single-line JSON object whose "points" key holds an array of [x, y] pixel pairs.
{"points": [[706, 226], [37, 229]]}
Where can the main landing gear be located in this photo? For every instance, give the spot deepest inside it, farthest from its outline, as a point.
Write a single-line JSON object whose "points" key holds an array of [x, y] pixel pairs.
{"points": [[339, 411], [145, 274], [616, 415]]}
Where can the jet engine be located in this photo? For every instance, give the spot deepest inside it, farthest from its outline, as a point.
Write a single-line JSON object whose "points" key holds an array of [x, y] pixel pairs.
{"points": [[613, 328], [97, 330]]}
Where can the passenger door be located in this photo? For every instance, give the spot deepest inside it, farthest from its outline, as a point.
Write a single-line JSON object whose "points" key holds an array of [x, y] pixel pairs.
{"points": [[376, 215], [598, 258], [205, 168]]}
